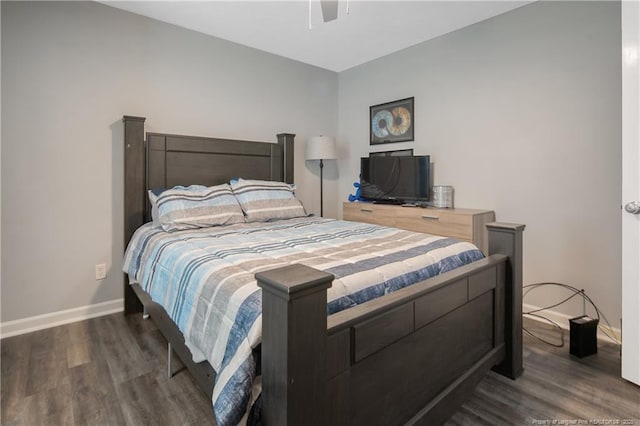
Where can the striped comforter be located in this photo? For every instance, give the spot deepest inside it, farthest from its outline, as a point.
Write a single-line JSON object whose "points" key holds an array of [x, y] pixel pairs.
{"points": [[204, 279]]}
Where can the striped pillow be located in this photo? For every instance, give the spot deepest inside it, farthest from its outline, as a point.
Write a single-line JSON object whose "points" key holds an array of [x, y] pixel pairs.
{"points": [[265, 200], [198, 207], [153, 200]]}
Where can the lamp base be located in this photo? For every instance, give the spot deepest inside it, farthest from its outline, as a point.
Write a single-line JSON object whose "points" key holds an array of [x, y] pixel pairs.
{"points": [[321, 197]]}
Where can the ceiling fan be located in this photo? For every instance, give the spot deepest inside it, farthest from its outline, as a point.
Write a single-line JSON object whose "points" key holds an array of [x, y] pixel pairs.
{"points": [[329, 10]]}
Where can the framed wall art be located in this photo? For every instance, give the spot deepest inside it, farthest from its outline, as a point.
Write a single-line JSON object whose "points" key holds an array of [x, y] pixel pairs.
{"points": [[391, 122]]}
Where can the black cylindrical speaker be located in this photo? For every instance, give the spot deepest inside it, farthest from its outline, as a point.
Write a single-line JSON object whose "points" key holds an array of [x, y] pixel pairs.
{"points": [[583, 336]]}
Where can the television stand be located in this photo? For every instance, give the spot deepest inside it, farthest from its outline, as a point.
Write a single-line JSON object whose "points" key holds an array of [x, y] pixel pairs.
{"points": [[463, 224]]}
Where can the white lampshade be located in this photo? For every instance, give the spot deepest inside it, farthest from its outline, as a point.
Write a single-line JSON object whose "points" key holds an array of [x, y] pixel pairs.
{"points": [[321, 148]]}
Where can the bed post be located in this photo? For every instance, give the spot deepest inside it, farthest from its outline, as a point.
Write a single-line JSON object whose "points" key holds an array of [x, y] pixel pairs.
{"points": [[506, 238], [134, 190], [285, 140], [294, 345]]}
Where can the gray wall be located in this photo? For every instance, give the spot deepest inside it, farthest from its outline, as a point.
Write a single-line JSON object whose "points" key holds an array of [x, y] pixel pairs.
{"points": [[69, 73], [521, 114]]}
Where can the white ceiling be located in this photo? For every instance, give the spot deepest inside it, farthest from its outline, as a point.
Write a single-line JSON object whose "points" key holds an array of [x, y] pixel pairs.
{"points": [[370, 30]]}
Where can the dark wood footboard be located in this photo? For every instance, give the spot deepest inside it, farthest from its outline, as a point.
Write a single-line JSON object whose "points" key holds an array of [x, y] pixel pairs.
{"points": [[409, 357]]}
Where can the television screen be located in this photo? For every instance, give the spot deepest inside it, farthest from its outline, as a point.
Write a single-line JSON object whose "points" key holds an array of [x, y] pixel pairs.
{"points": [[395, 179]]}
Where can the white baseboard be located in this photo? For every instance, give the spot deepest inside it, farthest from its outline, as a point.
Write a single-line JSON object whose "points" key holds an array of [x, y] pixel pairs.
{"points": [[563, 321], [40, 322]]}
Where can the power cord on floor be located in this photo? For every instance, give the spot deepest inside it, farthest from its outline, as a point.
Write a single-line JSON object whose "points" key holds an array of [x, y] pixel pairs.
{"points": [[575, 292]]}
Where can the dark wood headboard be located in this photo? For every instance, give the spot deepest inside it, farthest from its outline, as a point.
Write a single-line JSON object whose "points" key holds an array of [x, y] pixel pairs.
{"points": [[166, 160]]}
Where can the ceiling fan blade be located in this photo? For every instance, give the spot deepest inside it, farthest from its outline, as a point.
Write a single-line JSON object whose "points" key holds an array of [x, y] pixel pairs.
{"points": [[329, 10]]}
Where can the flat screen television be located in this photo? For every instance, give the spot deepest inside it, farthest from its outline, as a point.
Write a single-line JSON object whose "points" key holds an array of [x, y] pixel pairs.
{"points": [[395, 180]]}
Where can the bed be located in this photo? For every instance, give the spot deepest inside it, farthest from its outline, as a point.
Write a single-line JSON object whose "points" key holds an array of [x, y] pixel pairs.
{"points": [[407, 357]]}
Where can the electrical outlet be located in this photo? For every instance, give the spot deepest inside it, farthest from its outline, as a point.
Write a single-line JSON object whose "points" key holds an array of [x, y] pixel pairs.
{"points": [[101, 271]]}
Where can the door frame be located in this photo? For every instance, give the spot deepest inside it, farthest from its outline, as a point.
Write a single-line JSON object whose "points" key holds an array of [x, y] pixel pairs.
{"points": [[630, 25]]}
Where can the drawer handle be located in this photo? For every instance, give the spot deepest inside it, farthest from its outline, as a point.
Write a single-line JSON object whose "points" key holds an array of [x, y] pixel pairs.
{"points": [[427, 217], [366, 210]]}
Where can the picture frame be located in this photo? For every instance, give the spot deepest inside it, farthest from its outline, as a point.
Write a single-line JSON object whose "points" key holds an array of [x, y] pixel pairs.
{"points": [[397, 153], [391, 122]]}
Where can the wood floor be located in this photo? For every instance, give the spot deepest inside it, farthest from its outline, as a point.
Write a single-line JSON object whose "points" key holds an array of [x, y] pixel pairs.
{"points": [[555, 386], [112, 371]]}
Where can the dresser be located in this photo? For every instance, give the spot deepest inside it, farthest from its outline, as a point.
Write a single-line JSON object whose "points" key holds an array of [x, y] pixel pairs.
{"points": [[463, 224]]}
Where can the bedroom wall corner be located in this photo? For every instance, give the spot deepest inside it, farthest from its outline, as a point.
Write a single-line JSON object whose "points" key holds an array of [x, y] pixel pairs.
{"points": [[70, 71], [521, 114], [0, 163]]}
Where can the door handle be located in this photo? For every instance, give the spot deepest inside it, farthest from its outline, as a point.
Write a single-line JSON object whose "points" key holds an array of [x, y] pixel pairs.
{"points": [[633, 207]]}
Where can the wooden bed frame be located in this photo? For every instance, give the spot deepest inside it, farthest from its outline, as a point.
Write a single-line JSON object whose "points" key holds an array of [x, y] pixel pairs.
{"points": [[410, 357]]}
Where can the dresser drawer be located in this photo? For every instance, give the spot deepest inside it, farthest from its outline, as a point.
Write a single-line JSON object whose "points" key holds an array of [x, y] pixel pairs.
{"points": [[377, 214], [437, 222], [463, 224]]}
